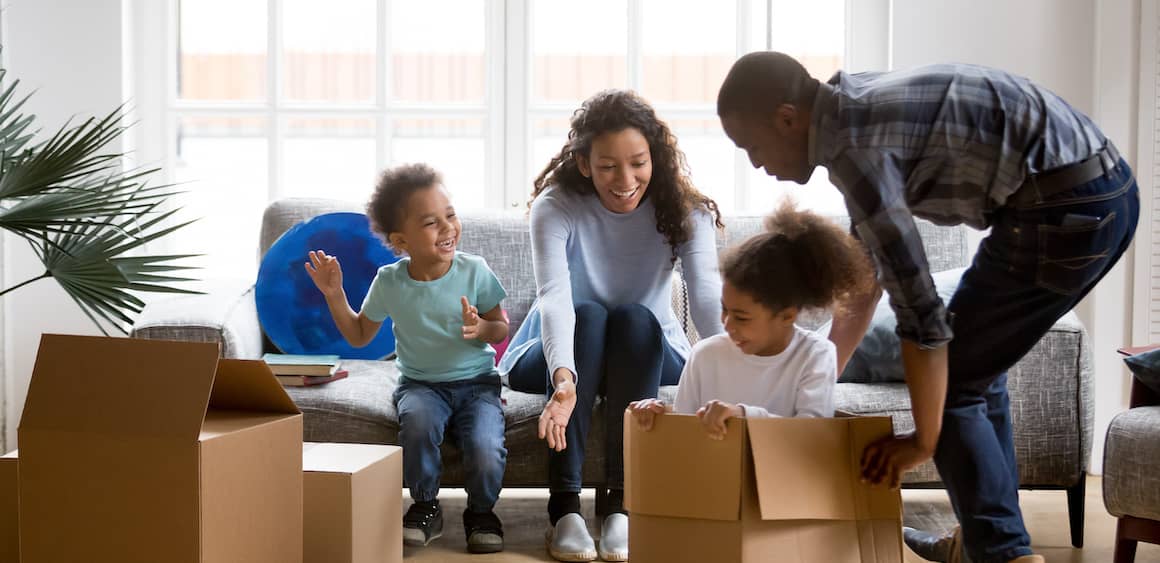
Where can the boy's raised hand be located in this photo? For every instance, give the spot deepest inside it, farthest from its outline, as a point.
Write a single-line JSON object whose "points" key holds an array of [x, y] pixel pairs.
{"points": [[645, 412], [714, 414], [325, 272], [470, 320]]}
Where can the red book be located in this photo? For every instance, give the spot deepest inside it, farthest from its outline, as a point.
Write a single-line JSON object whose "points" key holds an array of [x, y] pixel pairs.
{"points": [[309, 380]]}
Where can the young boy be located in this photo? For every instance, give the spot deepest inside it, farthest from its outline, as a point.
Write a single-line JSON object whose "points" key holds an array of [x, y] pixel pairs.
{"points": [[448, 377]]}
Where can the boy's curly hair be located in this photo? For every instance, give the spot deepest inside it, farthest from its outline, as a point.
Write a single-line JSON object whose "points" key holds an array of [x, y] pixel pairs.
{"points": [[802, 260], [388, 204], [670, 189]]}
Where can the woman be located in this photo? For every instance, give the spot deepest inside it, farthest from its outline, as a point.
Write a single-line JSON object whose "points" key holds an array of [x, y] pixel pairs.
{"points": [[610, 215]]}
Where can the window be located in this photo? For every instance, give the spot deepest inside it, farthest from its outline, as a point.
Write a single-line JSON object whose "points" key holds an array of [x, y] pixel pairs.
{"points": [[274, 98]]}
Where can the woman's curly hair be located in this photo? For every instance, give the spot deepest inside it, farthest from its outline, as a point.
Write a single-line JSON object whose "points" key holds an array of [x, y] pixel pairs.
{"points": [[802, 260], [672, 192]]}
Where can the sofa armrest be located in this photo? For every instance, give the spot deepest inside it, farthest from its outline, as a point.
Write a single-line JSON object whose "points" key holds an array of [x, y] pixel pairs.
{"points": [[226, 314], [1052, 405]]}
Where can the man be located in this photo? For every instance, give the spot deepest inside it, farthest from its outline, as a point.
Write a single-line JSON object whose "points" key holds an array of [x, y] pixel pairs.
{"points": [[953, 144]]}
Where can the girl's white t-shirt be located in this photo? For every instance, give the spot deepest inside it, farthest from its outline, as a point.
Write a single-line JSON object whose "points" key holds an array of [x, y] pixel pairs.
{"points": [[798, 382]]}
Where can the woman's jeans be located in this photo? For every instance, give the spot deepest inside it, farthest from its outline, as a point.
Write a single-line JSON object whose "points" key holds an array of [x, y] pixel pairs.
{"points": [[471, 413], [620, 353], [1037, 263]]}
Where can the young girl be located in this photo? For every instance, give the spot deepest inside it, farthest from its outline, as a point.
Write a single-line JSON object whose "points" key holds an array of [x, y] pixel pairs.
{"points": [[449, 380], [765, 365]]}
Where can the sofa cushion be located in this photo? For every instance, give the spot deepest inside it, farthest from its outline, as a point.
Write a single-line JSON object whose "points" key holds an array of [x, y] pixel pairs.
{"points": [[1044, 387]]}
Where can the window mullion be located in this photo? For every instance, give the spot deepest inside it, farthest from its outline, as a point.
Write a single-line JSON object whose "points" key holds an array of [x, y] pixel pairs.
{"points": [[635, 53], [516, 126], [494, 146], [382, 86], [273, 97]]}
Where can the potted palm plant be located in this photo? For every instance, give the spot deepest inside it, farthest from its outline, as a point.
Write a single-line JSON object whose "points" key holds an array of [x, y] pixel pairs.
{"points": [[85, 216]]}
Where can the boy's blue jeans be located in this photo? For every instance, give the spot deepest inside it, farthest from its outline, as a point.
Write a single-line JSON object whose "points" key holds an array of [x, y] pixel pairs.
{"points": [[1037, 263], [470, 412]]}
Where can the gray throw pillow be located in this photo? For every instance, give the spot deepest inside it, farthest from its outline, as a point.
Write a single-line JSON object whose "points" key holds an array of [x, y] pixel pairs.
{"points": [[1146, 368], [878, 359]]}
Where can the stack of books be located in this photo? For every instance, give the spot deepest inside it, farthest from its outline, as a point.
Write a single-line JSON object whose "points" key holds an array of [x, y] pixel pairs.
{"points": [[304, 370]]}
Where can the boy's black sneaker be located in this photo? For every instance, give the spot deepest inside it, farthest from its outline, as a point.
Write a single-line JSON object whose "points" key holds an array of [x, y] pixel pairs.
{"points": [[484, 531], [422, 523]]}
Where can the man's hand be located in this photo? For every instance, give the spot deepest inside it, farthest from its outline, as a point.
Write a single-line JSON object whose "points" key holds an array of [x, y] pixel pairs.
{"points": [[645, 412], [554, 419], [714, 414], [325, 272], [471, 325], [885, 461]]}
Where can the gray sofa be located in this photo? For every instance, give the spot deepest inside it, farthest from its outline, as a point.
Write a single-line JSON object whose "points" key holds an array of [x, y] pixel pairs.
{"points": [[1051, 389]]}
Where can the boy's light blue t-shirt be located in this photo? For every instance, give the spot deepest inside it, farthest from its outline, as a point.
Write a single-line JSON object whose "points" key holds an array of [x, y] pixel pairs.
{"points": [[428, 317]]}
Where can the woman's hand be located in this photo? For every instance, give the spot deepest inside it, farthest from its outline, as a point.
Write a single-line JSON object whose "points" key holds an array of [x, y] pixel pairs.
{"points": [[554, 419], [645, 412], [325, 272], [714, 414]]}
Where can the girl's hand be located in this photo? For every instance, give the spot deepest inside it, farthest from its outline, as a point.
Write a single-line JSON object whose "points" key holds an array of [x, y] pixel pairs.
{"points": [[714, 414], [645, 412], [325, 272], [470, 320]]}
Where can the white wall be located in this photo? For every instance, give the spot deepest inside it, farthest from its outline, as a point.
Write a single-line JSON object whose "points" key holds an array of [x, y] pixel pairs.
{"points": [[69, 51], [1084, 50]]}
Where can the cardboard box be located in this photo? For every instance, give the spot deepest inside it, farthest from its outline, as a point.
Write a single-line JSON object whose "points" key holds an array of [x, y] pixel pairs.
{"points": [[9, 505], [779, 489], [353, 503], [139, 451]]}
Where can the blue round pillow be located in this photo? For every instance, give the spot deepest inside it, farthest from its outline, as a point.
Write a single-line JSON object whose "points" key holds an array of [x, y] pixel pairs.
{"points": [[292, 310]]}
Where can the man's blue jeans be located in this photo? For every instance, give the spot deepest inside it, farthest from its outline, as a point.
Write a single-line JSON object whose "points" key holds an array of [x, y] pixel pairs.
{"points": [[621, 354], [1037, 263], [471, 414]]}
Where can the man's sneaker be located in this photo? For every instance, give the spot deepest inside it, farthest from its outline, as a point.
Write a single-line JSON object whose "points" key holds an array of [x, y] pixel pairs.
{"points": [[944, 549], [422, 523], [484, 531]]}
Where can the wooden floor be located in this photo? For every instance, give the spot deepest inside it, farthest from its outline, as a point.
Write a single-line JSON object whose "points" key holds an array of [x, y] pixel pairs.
{"points": [[524, 514]]}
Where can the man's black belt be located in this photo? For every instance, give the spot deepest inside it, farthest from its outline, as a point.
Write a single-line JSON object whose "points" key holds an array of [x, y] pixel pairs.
{"points": [[1039, 187]]}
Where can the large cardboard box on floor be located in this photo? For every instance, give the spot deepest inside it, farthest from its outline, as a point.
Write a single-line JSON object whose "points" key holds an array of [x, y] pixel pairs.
{"points": [[9, 505], [139, 451], [353, 506], [778, 489]]}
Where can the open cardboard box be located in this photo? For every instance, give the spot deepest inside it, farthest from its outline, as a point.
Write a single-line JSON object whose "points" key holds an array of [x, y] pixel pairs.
{"points": [[777, 489], [145, 451]]}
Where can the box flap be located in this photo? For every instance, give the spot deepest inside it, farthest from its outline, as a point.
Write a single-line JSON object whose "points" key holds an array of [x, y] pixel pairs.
{"points": [[675, 469], [808, 468], [249, 385], [122, 386]]}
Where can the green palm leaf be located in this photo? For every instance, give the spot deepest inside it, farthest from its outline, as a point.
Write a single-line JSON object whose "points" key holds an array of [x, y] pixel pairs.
{"points": [[86, 217], [86, 260]]}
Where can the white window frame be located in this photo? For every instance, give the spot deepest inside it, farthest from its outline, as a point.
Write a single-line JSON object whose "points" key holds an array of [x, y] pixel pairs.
{"points": [[507, 110]]}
